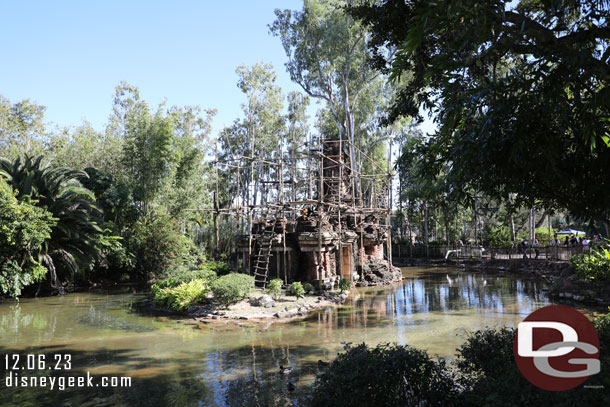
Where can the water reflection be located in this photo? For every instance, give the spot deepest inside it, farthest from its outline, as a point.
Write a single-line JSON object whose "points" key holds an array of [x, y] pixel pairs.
{"points": [[184, 363]]}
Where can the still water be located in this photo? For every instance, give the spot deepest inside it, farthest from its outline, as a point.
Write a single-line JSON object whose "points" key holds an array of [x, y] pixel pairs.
{"points": [[181, 363]]}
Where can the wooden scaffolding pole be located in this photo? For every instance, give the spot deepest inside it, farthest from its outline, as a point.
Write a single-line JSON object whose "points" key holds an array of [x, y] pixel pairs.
{"points": [[389, 215], [320, 211], [250, 204]]}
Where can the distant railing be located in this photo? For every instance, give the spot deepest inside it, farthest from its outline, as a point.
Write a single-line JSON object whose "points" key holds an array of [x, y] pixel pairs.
{"points": [[556, 253]]}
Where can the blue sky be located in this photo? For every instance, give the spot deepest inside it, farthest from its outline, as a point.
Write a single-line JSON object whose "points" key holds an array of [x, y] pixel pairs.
{"points": [[69, 55]]}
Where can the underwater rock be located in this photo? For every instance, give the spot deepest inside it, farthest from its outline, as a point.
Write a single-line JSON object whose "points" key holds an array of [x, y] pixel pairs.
{"points": [[101, 319]]}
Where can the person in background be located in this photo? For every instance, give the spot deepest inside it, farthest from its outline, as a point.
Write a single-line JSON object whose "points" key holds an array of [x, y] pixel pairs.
{"points": [[585, 244], [524, 248], [536, 246], [567, 241]]}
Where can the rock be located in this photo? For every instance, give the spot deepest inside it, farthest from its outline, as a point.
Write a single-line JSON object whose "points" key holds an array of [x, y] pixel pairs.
{"points": [[377, 272], [303, 310], [195, 310], [263, 301], [243, 317]]}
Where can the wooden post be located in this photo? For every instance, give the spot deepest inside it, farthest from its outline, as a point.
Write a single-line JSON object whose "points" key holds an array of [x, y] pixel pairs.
{"points": [[340, 159], [320, 210], [250, 197], [281, 198]]}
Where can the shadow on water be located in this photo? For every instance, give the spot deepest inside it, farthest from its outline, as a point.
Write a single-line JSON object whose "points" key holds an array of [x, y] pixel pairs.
{"points": [[245, 376], [175, 362]]}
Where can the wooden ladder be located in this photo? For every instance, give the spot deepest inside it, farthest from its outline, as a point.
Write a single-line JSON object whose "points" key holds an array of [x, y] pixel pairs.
{"points": [[261, 265]]}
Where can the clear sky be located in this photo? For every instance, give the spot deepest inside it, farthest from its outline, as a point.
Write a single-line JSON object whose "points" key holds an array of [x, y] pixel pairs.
{"points": [[69, 55]]}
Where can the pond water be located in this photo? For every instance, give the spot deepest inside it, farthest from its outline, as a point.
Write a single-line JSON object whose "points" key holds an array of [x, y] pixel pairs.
{"points": [[181, 363]]}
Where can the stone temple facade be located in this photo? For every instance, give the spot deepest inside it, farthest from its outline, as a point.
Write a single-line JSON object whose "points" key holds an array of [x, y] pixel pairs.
{"points": [[327, 238]]}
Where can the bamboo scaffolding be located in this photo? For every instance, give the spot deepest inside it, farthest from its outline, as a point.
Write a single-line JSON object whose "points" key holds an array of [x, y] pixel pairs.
{"points": [[295, 169]]}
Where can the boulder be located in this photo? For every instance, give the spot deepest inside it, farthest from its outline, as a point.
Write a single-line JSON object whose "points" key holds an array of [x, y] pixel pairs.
{"points": [[263, 301]]}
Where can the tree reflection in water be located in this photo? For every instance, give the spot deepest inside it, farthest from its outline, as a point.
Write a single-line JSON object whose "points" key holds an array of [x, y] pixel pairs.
{"points": [[173, 363]]}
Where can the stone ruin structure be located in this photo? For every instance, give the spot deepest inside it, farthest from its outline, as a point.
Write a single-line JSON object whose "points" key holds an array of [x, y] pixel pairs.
{"points": [[323, 239]]}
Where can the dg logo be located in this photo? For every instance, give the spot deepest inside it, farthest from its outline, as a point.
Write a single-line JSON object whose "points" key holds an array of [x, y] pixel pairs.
{"points": [[556, 348]]}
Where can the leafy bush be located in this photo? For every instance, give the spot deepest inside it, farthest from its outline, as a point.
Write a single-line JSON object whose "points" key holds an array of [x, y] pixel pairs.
{"points": [[344, 284], [594, 265], [308, 288], [24, 228], [275, 288], [183, 296], [387, 375], [176, 275], [232, 288], [297, 289]]}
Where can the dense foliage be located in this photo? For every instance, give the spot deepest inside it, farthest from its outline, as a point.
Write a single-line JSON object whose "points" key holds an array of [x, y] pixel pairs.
{"points": [[387, 375], [159, 246], [490, 374], [232, 288], [594, 265], [73, 247], [485, 373], [489, 71], [24, 228]]}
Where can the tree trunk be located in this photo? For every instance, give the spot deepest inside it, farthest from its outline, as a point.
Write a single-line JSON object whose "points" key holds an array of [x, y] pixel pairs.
{"points": [[55, 283]]}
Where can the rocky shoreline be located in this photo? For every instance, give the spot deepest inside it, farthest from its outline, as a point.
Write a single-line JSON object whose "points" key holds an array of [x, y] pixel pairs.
{"points": [[258, 307], [562, 280]]}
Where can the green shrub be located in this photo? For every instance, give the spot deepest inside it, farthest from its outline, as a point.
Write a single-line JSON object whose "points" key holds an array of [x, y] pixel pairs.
{"points": [[177, 275], [594, 265], [24, 228], [232, 288], [344, 284], [309, 288], [387, 375], [275, 288], [183, 296], [297, 289]]}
